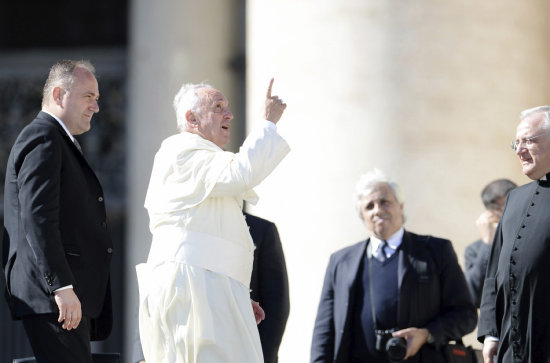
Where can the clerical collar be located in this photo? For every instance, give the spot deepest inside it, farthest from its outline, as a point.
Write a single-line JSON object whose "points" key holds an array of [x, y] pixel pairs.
{"points": [[61, 123], [393, 242], [544, 180]]}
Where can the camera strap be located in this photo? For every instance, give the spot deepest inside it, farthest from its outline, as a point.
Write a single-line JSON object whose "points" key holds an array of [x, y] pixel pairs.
{"points": [[371, 289]]}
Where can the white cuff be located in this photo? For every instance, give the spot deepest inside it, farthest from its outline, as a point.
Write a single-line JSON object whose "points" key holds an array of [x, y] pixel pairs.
{"points": [[64, 288], [270, 124]]}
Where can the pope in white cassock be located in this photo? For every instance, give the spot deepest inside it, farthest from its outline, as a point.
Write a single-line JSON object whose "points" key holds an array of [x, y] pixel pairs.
{"points": [[194, 299]]}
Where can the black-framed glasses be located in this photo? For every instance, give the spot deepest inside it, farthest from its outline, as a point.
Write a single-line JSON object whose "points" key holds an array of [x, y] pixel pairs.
{"points": [[527, 141]]}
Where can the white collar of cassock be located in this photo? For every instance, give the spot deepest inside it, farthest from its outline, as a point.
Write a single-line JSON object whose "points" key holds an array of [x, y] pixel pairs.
{"points": [[543, 177], [393, 242]]}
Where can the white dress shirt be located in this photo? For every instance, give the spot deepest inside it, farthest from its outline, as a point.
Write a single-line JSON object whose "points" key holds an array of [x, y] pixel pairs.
{"points": [[393, 243], [61, 123]]}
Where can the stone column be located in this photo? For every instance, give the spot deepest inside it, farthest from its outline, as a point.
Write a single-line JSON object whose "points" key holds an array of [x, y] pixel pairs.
{"points": [[428, 92], [172, 42]]}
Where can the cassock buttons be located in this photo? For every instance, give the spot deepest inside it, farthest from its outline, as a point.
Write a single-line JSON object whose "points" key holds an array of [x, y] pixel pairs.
{"points": [[109, 250], [100, 199]]}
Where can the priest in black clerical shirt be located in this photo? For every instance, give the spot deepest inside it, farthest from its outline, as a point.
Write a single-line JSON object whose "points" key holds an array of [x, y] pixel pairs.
{"points": [[514, 322]]}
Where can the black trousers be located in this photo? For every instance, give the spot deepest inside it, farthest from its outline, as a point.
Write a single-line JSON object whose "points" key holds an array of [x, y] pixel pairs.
{"points": [[53, 344]]}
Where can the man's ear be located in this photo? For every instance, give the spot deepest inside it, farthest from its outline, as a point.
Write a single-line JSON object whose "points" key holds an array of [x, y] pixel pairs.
{"points": [[191, 119], [57, 94]]}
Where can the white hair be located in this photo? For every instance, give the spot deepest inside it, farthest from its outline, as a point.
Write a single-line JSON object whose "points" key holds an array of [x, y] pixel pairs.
{"points": [[368, 181], [187, 99], [545, 110]]}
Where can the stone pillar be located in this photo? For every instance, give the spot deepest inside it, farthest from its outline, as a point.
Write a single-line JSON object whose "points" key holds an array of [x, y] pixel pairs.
{"points": [[428, 92], [172, 42]]}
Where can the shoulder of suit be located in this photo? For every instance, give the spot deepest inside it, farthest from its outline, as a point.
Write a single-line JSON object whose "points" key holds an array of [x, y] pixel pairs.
{"points": [[475, 245], [41, 127], [431, 240], [44, 123], [523, 188], [350, 250], [256, 220]]}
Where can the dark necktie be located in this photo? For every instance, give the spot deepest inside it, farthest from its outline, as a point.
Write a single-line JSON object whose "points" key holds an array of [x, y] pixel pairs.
{"points": [[381, 252], [77, 144]]}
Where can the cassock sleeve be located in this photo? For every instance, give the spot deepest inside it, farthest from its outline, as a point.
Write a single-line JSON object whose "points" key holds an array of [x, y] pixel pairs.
{"points": [[487, 315]]}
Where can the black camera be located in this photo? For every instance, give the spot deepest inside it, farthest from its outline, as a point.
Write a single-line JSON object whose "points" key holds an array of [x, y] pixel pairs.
{"points": [[395, 348]]}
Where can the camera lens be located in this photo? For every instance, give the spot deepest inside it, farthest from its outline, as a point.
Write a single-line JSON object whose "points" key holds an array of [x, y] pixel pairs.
{"points": [[396, 348]]}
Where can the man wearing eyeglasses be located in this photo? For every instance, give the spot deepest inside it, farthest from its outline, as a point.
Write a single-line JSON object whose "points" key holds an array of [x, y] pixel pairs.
{"points": [[514, 322]]}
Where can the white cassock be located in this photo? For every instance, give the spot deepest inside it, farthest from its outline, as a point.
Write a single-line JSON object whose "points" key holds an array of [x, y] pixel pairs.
{"points": [[194, 289]]}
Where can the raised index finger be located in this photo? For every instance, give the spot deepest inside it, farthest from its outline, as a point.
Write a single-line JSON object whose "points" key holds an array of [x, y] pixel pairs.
{"points": [[269, 88]]}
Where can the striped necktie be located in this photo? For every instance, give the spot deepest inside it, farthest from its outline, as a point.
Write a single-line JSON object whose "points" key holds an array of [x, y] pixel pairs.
{"points": [[77, 144]]}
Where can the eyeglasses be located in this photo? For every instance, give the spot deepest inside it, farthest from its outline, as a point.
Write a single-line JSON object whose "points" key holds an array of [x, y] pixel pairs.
{"points": [[528, 141]]}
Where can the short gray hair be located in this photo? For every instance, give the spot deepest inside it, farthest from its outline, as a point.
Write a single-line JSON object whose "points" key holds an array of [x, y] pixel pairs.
{"points": [[368, 181], [187, 99], [62, 75], [545, 110]]}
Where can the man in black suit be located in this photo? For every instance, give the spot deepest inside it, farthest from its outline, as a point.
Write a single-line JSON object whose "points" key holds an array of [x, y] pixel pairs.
{"points": [[514, 322], [477, 254], [56, 250], [396, 284], [268, 285]]}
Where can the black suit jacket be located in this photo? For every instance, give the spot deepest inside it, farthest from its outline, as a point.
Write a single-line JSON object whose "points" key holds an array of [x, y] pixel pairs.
{"points": [[441, 303], [476, 258], [55, 227], [269, 285]]}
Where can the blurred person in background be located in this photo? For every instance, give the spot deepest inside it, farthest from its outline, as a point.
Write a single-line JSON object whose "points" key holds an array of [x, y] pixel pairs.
{"points": [[477, 254]]}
